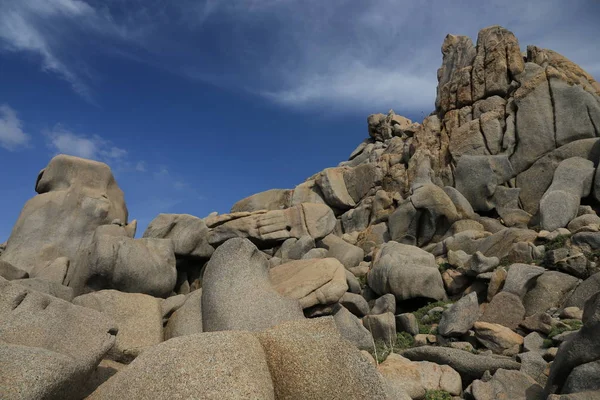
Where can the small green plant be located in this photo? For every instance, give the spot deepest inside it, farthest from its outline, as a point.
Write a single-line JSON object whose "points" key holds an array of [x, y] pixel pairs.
{"points": [[556, 243], [548, 343], [570, 325], [421, 312], [437, 395], [382, 350], [443, 267], [404, 340], [362, 280]]}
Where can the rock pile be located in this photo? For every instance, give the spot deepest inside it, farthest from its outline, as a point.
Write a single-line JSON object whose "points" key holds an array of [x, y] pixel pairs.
{"points": [[453, 258]]}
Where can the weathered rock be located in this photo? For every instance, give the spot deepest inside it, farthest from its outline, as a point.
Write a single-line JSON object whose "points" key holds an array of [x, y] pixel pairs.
{"points": [[384, 304], [416, 378], [48, 287], [103, 372], [583, 221], [300, 248], [455, 282], [551, 290], [75, 196], [534, 365], [274, 199], [360, 180], [138, 316], [128, 265], [217, 365], [333, 186], [308, 359], [10, 272], [539, 322], [507, 384], [352, 282], [505, 309], [521, 278], [407, 272], [467, 364], [352, 329], [381, 326], [496, 283], [534, 342], [407, 322], [307, 192], [315, 253], [355, 303], [460, 317], [583, 378], [315, 220], [188, 233], [187, 319], [236, 277], [55, 271], [479, 264], [572, 181], [349, 255], [584, 291], [311, 282], [498, 338], [48, 347], [582, 348], [477, 178]]}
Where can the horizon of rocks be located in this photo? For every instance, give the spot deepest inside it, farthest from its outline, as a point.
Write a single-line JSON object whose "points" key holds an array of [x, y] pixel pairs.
{"points": [[455, 258]]}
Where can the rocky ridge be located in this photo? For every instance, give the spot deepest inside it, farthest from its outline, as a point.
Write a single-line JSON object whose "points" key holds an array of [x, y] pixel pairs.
{"points": [[456, 258]]}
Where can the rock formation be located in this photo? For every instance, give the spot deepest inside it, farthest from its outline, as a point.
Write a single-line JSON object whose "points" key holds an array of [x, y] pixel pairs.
{"points": [[455, 257]]}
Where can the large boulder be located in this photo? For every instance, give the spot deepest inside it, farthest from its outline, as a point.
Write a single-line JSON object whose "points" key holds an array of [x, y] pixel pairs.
{"points": [[407, 272], [352, 329], [349, 255], [315, 220], [505, 384], [48, 347], [560, 204], [551, 290], [237, 293], [217, 365], [188, 233], [470, 366], [138, 316], [460, 317], [309, 360], [274, 199], [75, 196], [419, 377], [311, 282], [125, 264]]}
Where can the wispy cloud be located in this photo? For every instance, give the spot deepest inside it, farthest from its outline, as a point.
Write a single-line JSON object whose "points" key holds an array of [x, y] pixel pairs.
{"points": [[337, 54], [12, 136], [93, 147]]}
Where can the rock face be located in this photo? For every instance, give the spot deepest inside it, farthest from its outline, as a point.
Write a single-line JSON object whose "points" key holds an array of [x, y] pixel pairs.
{"points": [[237, 292], [490, 202], [75, 196]]}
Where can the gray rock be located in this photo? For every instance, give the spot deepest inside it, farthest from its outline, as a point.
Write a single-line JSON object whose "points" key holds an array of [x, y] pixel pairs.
{"points": [[352, 282], [138, 316], [460, 317], [477, 177], [10, 272], [355, 303], [583, 347], [236, 277], [128, 265], [480, 264], [349, 255], [52, 288], [583, 378], [534, 342], [217, 365], [75, 196], [315, 253], [274, 199], [333, 186], [384, 304], [407, 272], [463, 207], [583, 221], [551, 290], [301, 247], [171, 304], [407, 322], [521, 278], [467, 364], [188, 233], [587, 239], [360, 180], [534, 365], [55, 271], [48, 347], [187, 319], [560, 203], [403, 223], [506, 384], [352, 329], [584, 291], [357, 219], [307, 192], [381, 326]]}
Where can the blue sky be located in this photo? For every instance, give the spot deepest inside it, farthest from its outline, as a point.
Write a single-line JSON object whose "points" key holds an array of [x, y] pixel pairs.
{"points": [[197, 104]]}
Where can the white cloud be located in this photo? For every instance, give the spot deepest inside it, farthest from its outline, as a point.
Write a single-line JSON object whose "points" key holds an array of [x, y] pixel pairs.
{"points": [[11, 129], [140, 166], [93, 147]]}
